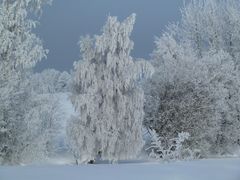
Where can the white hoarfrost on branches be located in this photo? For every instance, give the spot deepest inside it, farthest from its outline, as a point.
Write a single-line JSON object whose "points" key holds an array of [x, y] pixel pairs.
{"points": [[169, 149], [212, 26], [196, 85], [20, 50], [107, 96], [177, 97], [41, 127], [50, 81]]}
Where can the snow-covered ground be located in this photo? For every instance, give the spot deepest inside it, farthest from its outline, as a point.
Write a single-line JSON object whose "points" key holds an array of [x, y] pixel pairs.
{"points": [[67, 111], [227, 169]]}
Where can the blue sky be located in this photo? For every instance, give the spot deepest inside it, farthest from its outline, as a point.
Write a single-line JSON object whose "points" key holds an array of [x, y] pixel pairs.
{"points": [[62, 24]]}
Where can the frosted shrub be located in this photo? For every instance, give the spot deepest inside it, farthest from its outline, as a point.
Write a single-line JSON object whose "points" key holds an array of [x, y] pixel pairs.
{"points": [[169, 149]]}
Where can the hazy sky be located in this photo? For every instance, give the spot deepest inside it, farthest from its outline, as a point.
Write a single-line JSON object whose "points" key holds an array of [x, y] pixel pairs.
{"points": [[66, 20]]}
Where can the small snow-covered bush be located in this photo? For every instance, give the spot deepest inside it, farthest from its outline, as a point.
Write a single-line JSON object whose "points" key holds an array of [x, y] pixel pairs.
{"points": [[169, 149]]}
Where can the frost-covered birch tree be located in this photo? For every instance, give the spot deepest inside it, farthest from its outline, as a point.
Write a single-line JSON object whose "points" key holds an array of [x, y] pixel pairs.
{"points": [[107, 96], [20, 50]]}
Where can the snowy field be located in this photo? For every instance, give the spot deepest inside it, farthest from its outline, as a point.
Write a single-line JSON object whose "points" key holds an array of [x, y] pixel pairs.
{"points": [[227, 169]]}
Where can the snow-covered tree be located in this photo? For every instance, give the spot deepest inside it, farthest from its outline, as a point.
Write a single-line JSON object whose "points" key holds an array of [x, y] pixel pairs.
{"points": [[219, 30], [44, 120], [20, 50], [107, 96], [223, 81], [178, 97], [41, 127], [50, 81], [211, 25], [63, 83], [195, 88]]}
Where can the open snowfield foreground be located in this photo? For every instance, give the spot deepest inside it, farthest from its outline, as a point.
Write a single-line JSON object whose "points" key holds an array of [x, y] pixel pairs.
{"points": [[227, 169]]}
